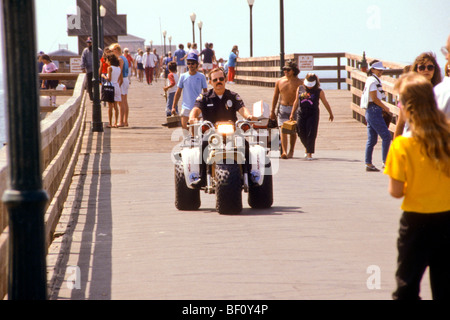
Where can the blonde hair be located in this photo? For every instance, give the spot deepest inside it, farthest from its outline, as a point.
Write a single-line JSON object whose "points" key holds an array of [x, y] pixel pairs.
{"points": [[115, 46], [428, 124]]}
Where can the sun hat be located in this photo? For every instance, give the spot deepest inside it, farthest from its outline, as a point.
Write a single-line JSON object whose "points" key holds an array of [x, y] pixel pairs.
{"points": [[309, 83], [378, 65]]}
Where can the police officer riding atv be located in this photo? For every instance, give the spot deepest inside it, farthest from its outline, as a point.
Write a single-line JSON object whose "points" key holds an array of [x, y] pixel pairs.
{"points": [[222, 155]]}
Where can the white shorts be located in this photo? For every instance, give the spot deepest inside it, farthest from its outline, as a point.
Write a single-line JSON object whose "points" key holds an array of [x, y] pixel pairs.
{"points": [[125, 85], [185, 112], [207, 66], [181, 69]]}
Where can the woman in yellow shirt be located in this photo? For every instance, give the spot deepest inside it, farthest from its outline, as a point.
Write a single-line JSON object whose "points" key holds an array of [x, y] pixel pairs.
{"points": [[418, 165]]}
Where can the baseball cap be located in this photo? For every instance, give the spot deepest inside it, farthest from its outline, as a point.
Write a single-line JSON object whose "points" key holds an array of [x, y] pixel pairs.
{"points": [[192, 56], [89, 39]]}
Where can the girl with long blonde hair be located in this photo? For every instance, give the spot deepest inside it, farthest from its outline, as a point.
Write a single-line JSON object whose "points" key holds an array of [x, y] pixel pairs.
{"points": [[418, 165]]}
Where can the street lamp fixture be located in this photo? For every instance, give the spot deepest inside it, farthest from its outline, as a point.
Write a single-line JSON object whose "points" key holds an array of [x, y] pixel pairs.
{"points": [[164, 35], [170, 43], [200, 25], [250, 4], [193, 16], [102, 11]]}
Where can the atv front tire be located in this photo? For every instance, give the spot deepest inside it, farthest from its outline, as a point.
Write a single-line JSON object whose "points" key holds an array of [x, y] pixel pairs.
{"points": [[261, 196], [185, 198], [228, 188]]}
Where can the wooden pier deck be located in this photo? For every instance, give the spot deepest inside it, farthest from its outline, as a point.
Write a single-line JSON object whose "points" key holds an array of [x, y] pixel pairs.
{"points": [[331, 233]]}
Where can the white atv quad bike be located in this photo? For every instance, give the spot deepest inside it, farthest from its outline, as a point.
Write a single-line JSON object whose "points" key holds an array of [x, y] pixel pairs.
{"points": [[227, 171]]}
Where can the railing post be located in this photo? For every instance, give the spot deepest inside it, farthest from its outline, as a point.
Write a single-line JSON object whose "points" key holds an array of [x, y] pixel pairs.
{"points": [[25, 199]]}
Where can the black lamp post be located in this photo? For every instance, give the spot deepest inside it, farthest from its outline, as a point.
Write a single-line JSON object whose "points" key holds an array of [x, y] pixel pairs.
{"points": [[25, 198], [281, 36], [97, 124], [250, 4], [193, 16]]}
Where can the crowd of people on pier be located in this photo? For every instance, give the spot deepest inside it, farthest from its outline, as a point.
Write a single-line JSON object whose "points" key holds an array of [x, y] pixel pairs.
{"points": [[416, 157]]}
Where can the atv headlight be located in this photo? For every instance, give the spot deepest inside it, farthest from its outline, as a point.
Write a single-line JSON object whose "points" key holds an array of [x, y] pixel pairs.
{"points": [[225, 128]]}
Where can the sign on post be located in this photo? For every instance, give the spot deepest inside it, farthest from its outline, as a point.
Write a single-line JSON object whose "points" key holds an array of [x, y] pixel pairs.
{"points": [[75, 65], [306, 63]]}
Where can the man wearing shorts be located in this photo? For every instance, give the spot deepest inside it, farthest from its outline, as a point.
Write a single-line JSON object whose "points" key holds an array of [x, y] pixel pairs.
{"points": [[285, 89], [208, 55], [191, 85]]}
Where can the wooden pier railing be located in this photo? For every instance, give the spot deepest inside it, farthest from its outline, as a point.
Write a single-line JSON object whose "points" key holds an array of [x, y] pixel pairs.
{"points": [[356, 80], [265, 71], [61, 133]]}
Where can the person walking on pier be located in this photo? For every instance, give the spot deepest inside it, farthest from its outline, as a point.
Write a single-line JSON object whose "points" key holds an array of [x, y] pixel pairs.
{"points": [[371, 100], [418, 166], [426, 65], [149, 61], [307, 97], [442, 90], [87, 65], [114, 75], [179, 57], [140, 66], [207, 58], [171, 87], [234, 54], [191, 85], [285, 94], [49, 67], [123, 105]]}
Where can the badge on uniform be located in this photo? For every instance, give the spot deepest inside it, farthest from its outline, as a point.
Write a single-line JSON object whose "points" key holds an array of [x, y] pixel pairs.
{"points": [[229, 104]]}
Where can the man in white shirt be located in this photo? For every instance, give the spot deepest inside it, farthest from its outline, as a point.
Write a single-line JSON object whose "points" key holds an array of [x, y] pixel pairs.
{"points": [[442, 90], [149, 61]]}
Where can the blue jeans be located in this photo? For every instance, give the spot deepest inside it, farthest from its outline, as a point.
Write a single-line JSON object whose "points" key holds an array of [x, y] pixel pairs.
{"points": [[170, 97], [376, 127]]}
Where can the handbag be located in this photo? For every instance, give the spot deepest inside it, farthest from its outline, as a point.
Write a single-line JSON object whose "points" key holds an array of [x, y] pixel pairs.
{"points": [[387, 117], [289, 127], [107, 92]]}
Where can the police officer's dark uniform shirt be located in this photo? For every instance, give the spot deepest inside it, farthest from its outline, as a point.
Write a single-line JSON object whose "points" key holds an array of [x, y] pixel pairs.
{"points": [[216, 109]]}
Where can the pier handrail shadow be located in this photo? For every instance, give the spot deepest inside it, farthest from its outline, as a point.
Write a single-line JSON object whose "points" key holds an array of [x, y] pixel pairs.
{"points": [[61, 133]]}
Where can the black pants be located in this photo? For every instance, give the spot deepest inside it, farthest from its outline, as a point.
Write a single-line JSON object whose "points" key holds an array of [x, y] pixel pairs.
{"points": [[307, 125], [424, 241], [89, 76]]}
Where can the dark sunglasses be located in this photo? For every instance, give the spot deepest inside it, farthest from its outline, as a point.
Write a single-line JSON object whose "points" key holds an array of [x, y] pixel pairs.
{"points": [[191, 63], [429, 67], [218, 79]]}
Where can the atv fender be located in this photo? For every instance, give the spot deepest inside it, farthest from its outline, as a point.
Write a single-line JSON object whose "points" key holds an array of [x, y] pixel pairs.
{"points": [[191, 158], [257, 163]]}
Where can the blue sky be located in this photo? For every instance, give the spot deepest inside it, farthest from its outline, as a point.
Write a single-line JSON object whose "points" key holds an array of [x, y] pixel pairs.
{"points": [[394, 30]]}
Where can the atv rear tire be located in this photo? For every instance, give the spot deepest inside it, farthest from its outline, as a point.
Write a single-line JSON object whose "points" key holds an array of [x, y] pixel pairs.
{"points": [[261, 196], [228, 188], [185, 198]]}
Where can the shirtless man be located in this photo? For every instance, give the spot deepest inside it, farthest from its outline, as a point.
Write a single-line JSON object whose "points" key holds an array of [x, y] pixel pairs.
{"points": [[285, 89]]}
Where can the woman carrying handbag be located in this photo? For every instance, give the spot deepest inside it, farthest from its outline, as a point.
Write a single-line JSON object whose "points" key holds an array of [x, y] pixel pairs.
{"points": [[371, 100]]}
